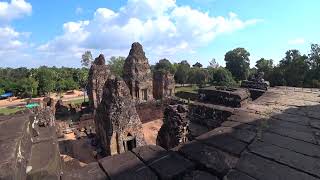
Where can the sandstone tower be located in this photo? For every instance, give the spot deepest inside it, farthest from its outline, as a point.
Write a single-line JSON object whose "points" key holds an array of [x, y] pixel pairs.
{"points": [[118, 125], [163, 85], [137, 74], [98, 75]]}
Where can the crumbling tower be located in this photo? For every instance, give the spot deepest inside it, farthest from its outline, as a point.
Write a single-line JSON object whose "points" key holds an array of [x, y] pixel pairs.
{"points": [[118, 125], [175, 128], [137, 74], [98, 75], [163, 85]]}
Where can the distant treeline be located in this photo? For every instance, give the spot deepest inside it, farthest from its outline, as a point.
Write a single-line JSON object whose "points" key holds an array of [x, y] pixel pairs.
{"points": [[294, 69], [25, 82]]}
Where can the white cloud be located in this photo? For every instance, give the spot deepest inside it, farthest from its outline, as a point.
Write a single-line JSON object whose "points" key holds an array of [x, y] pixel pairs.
{"points": [[13, 10], [297, 41], [10, 39], [163, 28]]}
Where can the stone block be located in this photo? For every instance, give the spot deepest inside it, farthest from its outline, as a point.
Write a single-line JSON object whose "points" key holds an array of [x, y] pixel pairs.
{"points": [[150, 153], [91, 171], [126, 166], [171, 166], [15, 146], [264, 169], [237, 175], [223, 141], [45, 162], [208, 158], [285, 156], [232, 97], [199, 175], [292, 144]]}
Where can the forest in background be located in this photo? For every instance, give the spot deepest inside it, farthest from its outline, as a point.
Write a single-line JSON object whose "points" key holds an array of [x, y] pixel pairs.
{"points": [[295, 69]]}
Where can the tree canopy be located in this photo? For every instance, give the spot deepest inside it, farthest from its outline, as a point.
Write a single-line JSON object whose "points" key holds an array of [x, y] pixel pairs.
{"points": [[116, 65], [165, 65], [237, 62]]}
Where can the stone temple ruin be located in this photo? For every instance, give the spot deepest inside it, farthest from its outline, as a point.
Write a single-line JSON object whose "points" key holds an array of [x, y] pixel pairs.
{"points": [[137, 74], [163, 85], [256, 82], [118, 127], [221, 134], [98, 75]]}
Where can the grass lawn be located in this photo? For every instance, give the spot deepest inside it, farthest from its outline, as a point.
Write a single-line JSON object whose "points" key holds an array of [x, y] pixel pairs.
{"points": [[77, 101], [10, 110], [187, 88]]}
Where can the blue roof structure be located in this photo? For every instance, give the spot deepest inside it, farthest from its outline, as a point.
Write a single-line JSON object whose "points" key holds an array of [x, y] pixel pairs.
{"points": [[6, 95]]}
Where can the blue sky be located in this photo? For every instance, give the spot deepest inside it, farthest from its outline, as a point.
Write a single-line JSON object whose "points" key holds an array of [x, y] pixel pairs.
{"points": [[34, 33]]}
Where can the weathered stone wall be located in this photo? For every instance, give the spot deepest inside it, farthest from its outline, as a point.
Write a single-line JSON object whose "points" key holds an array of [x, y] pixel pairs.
{"points": [[98, 75], [211, 117], [256, 81], [150, 111], [175, 128], [163, 85], [29, 147], [255, 85], [15, 138], [44, 162], [137, 74], [117, 119], [231, 97], [193, 96]]}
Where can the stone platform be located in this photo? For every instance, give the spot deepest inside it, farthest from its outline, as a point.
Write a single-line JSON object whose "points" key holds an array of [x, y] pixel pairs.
{"points": [[275, 137], [231, 97]]}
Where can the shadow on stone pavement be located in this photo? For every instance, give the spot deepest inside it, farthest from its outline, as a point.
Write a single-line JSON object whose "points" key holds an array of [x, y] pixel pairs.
{"points": [[248, 145]]}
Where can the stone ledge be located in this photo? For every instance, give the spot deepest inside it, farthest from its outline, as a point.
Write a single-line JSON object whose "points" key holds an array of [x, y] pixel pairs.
{"points": [[91, 171], [126, 166]]}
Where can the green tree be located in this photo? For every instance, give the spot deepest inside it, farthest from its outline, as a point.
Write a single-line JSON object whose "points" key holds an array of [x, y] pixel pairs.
{"points": [[198, 76], [86, 59], [277, 77], [295, 67], [237, 62], [116, 65], [181, 75], [2, 91], [47, 80], [314, 56], [265, 66], [27, 87], [164, 65], [221, 77]]}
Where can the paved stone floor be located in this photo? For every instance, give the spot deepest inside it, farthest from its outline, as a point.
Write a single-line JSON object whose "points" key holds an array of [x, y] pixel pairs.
{"points": [[276, 137]]}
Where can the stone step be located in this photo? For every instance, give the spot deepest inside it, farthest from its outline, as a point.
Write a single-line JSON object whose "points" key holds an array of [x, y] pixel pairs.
{"points": [[223, 141], [296, 160], [126, 166], [91, 171], [264, 169], [166, 164], [299, 135], [209, 158], [286, 124], [295, 118], [237, 175], [292, 144], [199, 175]]}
